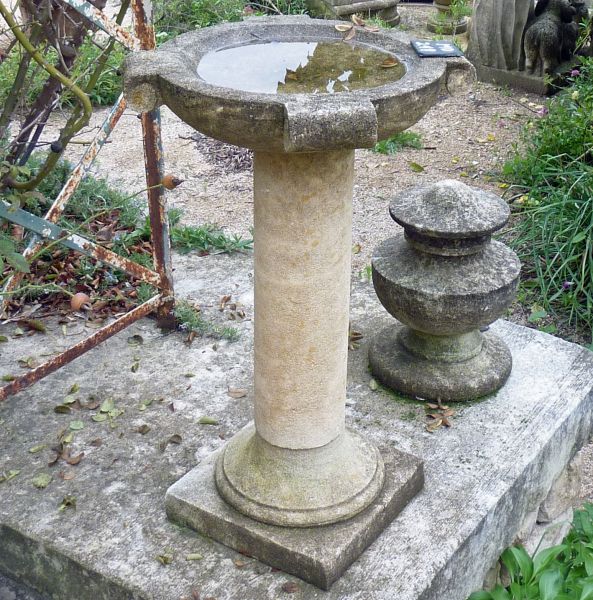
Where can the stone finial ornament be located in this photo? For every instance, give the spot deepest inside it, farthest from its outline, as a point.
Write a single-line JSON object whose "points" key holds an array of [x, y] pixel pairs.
{"points": [[544, 36], [444, 280], [522, 43]]}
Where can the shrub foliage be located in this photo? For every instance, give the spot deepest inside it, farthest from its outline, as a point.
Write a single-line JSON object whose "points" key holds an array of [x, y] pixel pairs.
{"points": [[555, 167]]}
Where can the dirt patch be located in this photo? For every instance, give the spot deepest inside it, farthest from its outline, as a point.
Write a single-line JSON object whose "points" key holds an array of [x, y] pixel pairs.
{"points": [[225, 157]]}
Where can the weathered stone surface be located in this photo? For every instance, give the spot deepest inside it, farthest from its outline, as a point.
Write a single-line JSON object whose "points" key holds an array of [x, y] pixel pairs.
{"points": [[263, 121], [299, 488], [395, 367], [546, 37], [497, 33], [550, 534], [319, 555], [496, 47], [564, 494], [441, 295], [483, 476], [300, 354], [12, 590], [524, 533], [548, 524], [515, 79], [449, 209], [461, 76], [445, 280]]}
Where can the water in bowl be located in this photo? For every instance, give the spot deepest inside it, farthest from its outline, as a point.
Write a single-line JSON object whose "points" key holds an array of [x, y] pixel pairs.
{"points": [[325, 67]]}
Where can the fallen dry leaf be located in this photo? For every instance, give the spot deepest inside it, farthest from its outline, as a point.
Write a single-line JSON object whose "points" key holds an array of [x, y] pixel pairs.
{"points": [[342, 27], [434, 425], [390, 62], [349, 35], [290, 587], [224, 300]]}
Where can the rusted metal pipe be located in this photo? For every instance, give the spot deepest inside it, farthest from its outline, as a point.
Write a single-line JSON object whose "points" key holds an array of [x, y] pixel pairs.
{"points": [[20, 383], [98, 18], [159, 222], [154, 166], [162, 278]]}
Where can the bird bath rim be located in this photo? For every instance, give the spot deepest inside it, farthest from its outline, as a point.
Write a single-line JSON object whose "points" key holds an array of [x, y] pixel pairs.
{"points": [[282, 122]]}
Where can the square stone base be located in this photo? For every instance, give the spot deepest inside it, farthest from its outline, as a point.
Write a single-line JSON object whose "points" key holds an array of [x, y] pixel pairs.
{"points": [[318, 555]]}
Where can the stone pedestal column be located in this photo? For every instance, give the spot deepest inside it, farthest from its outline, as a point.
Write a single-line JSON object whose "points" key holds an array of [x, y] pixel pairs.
{"points": [[299, 466], [303, 241]]}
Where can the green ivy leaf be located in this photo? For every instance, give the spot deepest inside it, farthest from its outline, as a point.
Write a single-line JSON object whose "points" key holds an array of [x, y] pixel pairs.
{"points": [[537, 315], [523, 561], [545, 557], [550, 585], [499, 593], [587, 593]]}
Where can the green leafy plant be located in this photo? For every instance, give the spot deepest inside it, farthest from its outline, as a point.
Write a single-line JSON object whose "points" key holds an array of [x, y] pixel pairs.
{"points": [[93, 195], [109, 84], [553, 166], [563, 572], [178, 16], [399, 141], [9, 254], [207, 238], [104, 92], [460, 9], [190, 319], [35, 77]]}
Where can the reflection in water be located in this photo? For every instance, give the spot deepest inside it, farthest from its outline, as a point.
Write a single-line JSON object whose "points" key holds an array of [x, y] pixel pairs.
{"points": [[299, 67]]}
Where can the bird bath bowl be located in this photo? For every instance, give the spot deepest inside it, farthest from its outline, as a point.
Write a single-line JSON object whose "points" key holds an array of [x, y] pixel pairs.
{"points": [[303, 99]]}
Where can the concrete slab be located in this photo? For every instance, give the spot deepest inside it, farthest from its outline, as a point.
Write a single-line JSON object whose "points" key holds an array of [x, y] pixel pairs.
{"points": [[12, 590], [483, 476], [318, 555]]}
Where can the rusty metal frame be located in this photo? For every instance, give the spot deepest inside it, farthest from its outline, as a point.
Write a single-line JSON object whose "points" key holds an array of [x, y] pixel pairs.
{"points": [[45, 229]]}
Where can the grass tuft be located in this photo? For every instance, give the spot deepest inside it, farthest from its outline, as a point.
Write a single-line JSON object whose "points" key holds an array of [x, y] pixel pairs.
{"points": [[399, 141], [191, 321], [554, 169]]}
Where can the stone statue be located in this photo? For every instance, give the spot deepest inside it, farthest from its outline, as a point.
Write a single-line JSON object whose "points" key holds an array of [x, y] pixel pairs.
{"points": [[570, 31], [517, 42], [544, 35], [497, 38]]}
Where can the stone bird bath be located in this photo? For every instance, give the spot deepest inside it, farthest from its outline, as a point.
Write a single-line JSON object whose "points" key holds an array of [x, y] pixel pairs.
{"points": [[290, 89]]}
